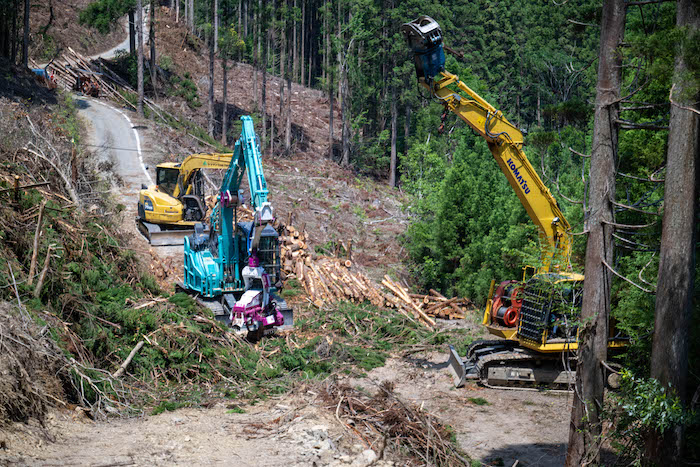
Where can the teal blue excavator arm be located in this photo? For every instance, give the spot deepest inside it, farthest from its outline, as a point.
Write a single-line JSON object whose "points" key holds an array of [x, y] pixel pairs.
{"points": [[210, 273], [246, 157]]}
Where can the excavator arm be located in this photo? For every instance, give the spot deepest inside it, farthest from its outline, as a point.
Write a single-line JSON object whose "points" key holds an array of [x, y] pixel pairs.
{"points": [[504, 140], [189, 167]]}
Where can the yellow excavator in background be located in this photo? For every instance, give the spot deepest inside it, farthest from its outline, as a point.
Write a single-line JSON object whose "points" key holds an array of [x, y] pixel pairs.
{"points": [[168, 210], [536, 319]]}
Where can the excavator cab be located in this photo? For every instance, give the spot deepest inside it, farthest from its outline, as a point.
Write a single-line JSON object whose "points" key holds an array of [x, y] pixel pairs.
{"points": [[166, 179], [424, 37]]}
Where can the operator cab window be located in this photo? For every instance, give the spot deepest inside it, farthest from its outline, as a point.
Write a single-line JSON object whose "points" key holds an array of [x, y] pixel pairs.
{"points": [[256, 284], [167, 180]]}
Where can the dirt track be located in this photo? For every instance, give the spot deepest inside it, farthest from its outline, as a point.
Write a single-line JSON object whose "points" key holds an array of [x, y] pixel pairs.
{"points": [[293, 433]]}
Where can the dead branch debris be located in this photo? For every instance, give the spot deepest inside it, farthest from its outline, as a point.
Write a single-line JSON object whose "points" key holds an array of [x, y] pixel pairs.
{"points": [[384, 421]]}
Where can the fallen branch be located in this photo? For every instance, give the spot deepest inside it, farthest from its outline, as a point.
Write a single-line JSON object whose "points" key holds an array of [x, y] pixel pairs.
{"points": [[131, 356], [42, 276], [37, 236]]}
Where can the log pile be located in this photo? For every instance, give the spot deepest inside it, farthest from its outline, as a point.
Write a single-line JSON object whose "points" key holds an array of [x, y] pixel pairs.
{"points": [[73, 69], [333, 279]]}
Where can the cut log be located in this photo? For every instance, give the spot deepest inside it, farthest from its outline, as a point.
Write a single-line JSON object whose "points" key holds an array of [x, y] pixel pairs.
{"points": [[437, 294]]}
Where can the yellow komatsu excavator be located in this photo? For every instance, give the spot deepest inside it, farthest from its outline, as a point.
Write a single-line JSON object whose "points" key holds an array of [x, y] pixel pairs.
{"points": [[168, 210], [535, 319]]}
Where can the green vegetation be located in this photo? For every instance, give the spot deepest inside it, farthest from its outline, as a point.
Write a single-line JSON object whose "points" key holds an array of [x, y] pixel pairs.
{"points": [[184, 87], [104, 14], [644, 405], [478, 401]]}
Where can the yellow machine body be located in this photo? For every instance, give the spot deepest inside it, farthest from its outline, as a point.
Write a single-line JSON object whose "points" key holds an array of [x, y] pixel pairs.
{"points": [[176, 202]]}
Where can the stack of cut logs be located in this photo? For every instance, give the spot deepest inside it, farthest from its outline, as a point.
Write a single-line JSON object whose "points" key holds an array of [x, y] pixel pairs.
{"points": [[73, 67], [328, 280]]}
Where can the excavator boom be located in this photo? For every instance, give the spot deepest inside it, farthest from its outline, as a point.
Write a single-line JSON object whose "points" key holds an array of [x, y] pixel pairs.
{"points": [[505, 141], [537, 319]]}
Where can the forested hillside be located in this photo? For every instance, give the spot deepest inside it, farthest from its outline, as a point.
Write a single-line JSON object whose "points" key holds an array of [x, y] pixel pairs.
{"points": [[540, 64]]}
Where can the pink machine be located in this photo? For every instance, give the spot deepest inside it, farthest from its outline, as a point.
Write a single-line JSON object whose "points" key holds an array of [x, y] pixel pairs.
{"points": [[254, 312]]}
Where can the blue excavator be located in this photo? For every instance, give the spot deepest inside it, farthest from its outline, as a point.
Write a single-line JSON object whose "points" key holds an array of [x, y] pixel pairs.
{"points": [[235, 269]]}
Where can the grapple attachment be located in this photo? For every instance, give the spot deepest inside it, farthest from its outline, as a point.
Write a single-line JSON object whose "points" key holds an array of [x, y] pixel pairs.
{"points": [[424, 36]]}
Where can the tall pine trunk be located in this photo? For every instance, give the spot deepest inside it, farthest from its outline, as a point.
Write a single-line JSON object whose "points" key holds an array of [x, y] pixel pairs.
{"points": [[132, 33], [674, 292], [331, 94], [139, 53], [295, 49], [288, 112], [263, 93], [177, 11], [25, 41], [345, 107], [394, 131], [224, 117], [152, 41], [256, 54], [12, 36], [216, 26], [586, 424], [406, 128], [211, 78], [302, 56]]}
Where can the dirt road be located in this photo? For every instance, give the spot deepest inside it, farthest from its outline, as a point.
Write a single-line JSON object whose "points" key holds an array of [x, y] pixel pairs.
{"points": [[291, 433], [117, 143], [495, 426]]}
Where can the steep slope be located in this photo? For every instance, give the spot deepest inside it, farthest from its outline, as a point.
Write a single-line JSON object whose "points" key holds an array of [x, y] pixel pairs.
{"points": [[54, 26]]}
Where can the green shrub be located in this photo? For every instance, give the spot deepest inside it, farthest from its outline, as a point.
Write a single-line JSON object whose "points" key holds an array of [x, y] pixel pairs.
{"points": [[104, 14]]}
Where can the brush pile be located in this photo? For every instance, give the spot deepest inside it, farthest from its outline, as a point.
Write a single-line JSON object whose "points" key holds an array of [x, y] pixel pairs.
{"points": [[383, 421], [332, 279]]}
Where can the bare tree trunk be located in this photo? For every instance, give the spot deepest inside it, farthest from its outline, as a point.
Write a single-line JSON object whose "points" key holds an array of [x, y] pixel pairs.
{"points": [[177, 11], [288, 123], [394, 131], [256, 55], [224, 118], [25, 42], [211, 81], [585, 428], [283, 46], [327, 36], [674, 293], [132, 32], [12, 36], [191, 23], [295, 49], [152, 40], [303, 36], [406, 128], [216, 26], [331, 93], [139, 59], [281, 119], [263, 96], [345, 110], [245, 18]]}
